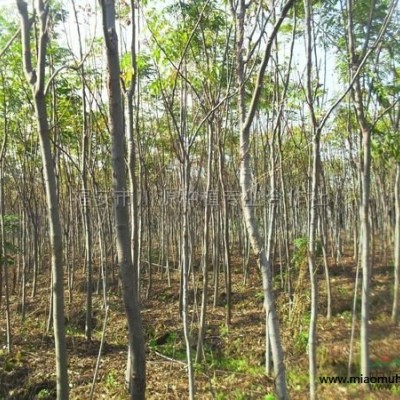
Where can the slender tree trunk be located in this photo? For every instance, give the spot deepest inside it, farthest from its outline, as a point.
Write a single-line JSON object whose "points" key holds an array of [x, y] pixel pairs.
{"points": [[324, 240], [365, 245], [205, 252], [149, 240], [3, 254], [36, 79], [225, 235], [86, 199], [312, 335], [56, 251], [24, 262], [36, 258], [246, 119], [315, 162], [365, 167], [136, 368], [185, 272], [395, 308], [132, 126]]}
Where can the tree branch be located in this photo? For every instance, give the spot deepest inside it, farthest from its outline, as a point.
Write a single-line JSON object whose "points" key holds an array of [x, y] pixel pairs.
{"points": [[43, 12], [10, 42], [361, 64], [30, 73], [62, 67], [260, 78]]}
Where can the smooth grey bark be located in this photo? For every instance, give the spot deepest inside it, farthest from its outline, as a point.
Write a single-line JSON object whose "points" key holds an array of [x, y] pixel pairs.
{"points": [[205, 250], [149, 233], [185, 242], [395, 307], [285, 222], [270, 212], [102, 341], [313, 211], [216, 266], [25, 256], [3, 147], [35, 78], [132, 126], [269, 223], [365, 167], [312, 335], [324, 241], [86, 215], [225, 238], [70, 248], [323, 217], [246, 118], [35, 233], [3, 253], [353, 319], [136, 368], [185, 272]]}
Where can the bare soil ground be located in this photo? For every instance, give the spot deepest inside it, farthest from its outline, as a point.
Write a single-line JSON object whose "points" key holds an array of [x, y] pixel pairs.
{"points": [[234, 356]]}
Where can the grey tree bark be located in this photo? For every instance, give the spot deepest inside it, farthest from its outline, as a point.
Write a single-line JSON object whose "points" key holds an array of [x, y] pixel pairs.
{"points": [[246, 118], [365, 167], [136, 368], [395, 308], [131, 125], [315, 168], [205, 250], [36, 80], [86, 216], [3, 252]]}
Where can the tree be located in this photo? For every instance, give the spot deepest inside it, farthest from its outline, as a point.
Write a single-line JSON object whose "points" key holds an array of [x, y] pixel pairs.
{"points": [[316, 137], [136, 368], [357, 53], [246, 117], [36, 80]]}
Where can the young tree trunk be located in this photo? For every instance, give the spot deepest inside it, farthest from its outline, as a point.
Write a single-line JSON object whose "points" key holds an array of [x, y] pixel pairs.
{"points": [[365, 180], [225, 236], [185, 272], [136, 368], [315, 169], [132, 126], [3, 253], [246, 119], [25, 253], [205, 250], [395, 308], [86, 196], [36, 79]]}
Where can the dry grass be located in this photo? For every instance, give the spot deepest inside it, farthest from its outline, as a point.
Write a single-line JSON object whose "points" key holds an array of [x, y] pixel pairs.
{"points": [[234, 355]]}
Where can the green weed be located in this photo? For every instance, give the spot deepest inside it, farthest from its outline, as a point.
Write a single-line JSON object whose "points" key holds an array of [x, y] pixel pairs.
{"points": [[301, 341], [44, 394], [297, 379], [173, 347], [111, 379]]}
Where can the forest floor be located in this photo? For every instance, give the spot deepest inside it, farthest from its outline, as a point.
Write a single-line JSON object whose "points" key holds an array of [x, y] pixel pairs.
{"points": [[234, 356]]}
